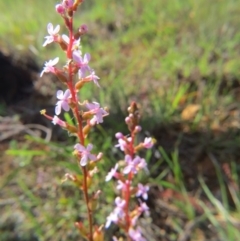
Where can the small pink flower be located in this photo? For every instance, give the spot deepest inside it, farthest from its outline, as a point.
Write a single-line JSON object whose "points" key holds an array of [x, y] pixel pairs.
{"points": [[121, 185], [49, 66], [134, 165], [120, 205], [97, 112], [53, 34], [113, 217], [131, 165], [143, 208], [93, 77], [57, 121], [148, 143], [63, 101], [135, 234], [117, 213], [82, 63], [85, 153], [112, 173], [76, 43], [123, 144], [142, 191]]}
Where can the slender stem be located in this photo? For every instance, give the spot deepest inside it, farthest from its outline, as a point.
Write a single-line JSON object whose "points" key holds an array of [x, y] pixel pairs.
{"points": [[90, 217], [80, 126]]}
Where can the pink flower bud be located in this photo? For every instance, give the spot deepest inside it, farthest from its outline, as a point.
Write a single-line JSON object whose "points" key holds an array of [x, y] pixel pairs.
{"points": [[119, 135], [99, 156], [83, 29], [60, 9], [137, 129], [127, 120]]}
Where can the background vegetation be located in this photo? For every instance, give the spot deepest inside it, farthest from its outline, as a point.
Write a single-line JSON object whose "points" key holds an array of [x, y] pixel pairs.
{"points": [[180, 60]]}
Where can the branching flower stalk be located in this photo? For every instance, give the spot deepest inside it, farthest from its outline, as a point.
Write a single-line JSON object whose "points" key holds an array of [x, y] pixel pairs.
{"points": [[74, 75]]}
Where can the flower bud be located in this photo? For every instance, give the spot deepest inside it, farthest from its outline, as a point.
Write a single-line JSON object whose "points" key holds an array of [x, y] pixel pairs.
{"points": [[79, 84], [127, 120], [137, 129], [83, 231], [71, 129], [61, 76], [89, 181], [83, 29], [99, 156], [119, 135], [60, 9], [86, 130], [98, 234]]}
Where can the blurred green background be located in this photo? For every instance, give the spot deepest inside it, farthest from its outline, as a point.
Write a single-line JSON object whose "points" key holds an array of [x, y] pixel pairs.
{"points": [[179, 59]]}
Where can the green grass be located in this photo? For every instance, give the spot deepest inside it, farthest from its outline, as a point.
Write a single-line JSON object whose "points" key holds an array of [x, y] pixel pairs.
{"points": [[165, 55], [150, 44]]}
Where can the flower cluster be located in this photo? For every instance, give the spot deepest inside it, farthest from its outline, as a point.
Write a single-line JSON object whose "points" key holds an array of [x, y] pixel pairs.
{"points": [[124, 172], [74, 75]]}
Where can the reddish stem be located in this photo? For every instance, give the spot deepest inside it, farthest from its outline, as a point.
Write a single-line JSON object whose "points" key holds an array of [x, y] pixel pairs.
{"points": [[79, 125]]}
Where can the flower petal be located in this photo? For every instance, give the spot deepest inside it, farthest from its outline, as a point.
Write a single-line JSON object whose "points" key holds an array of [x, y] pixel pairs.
{"points": [[56, 30], [59, 94], [79, 147], [58, 109], [50, 28], [83, 161]]}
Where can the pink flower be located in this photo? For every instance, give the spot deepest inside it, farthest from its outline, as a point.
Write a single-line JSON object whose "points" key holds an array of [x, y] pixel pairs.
{"points": [[148, 143], [112, 173], [93, 77], [143, 208], [97, 112], [64, 6], [53, 34], [85, 153], [82, 63], [120, 204], [134, 165], [122, 144], [57, 121], [113, 217], [63, 101], [135, 234], [131, 165], [121, 185], [142, 191], [49, 66], [68, 3], [76, 43], [117, 213]]}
